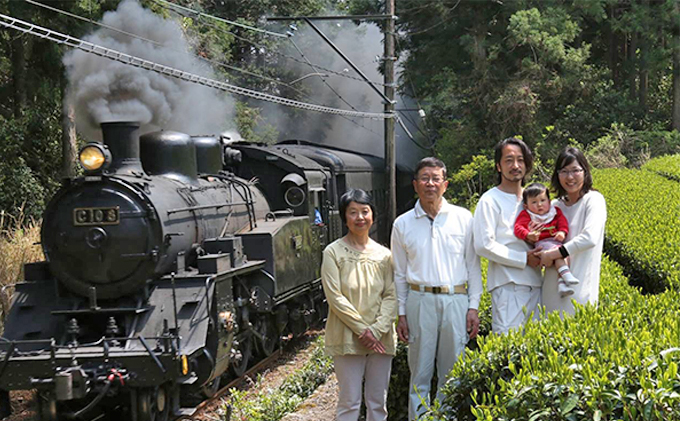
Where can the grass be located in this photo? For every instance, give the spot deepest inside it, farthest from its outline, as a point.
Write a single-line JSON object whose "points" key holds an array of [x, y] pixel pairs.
{"points": [[18, 245], [274, 404]]}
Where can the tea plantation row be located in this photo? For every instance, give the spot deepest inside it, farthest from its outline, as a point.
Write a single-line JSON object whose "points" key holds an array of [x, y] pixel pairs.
{"points": [[643, 225], [667, 166]]}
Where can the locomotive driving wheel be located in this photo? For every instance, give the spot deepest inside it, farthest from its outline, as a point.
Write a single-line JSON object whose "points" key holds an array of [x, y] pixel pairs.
{"points": [[210, 389], [239, 364], [154, 403], [266, 326]]}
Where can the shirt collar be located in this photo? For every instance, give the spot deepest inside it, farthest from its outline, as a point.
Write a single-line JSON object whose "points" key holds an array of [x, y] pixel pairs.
{"points": [[420, 212]]}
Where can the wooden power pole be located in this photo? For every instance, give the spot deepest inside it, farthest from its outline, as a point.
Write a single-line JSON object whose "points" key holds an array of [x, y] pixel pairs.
{"points": [[390, 150]]}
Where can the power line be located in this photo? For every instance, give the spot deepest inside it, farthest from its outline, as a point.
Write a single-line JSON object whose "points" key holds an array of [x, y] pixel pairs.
{"points": [[240, 25], [111, 54], [260, 46], [323, 79], [132, 35]]}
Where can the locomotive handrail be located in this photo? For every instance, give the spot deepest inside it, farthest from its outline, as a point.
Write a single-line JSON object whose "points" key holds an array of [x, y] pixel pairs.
{"points": [[246, 195], [193, 208], [14, 345]]}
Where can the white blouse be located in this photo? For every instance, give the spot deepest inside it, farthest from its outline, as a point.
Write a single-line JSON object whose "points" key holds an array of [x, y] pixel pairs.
{"points": [[587, 219]]}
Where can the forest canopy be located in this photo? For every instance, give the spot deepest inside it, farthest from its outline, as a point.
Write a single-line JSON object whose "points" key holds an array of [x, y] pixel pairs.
{"points": [[604, 74]]}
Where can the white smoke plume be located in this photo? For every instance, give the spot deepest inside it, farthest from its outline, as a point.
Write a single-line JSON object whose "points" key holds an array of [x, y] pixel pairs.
{"points": [[105, 90], [363, 45]]}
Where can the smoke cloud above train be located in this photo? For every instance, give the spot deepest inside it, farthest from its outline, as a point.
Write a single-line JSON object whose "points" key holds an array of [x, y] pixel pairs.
{"points": [[105, 90]]}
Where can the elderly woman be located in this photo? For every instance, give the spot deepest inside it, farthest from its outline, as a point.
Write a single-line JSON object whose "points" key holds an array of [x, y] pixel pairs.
{"points": [[360, 336], [586, 213]]}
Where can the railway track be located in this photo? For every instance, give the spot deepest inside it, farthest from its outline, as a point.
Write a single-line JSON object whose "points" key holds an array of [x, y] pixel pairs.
{"points": [[207, 404]]}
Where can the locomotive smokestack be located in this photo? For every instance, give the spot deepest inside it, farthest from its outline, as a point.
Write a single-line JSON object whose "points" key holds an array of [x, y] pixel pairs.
{"points": [[122, 138]]}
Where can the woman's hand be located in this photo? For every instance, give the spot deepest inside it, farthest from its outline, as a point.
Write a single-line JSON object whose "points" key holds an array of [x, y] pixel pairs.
{"points": [[369, 341]]}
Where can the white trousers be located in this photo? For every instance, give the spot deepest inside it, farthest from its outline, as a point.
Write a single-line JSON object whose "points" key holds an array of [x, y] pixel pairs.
{"points": [[512, 305], [436, 332], [352, 371]]}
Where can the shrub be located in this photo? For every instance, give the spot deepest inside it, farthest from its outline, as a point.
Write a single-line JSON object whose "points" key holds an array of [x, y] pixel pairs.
{"points": [[611, 362], [17, 247], [667, 166], [643, 225]]}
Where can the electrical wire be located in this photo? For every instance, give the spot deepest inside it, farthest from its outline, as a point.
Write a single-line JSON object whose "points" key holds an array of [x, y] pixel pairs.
{"points": [[91, 48], [289, 57], [443, 21], [201, 14], [215, 62], [323, 79], [132, 35], [425, 132]]}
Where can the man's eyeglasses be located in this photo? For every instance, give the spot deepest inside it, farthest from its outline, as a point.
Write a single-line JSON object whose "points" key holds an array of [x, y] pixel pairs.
{"points": [[434, 180], [567, 173]]}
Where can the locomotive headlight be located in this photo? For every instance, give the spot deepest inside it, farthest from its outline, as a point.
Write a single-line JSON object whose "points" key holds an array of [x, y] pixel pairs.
{"points": [[94, 156]]}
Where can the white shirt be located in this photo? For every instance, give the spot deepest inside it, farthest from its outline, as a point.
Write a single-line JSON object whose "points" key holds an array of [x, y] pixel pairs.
{"points": [[437, 252], [587, 219], [495, 239]]}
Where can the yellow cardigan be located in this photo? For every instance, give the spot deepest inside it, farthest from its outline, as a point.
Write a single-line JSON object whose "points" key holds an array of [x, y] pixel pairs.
{"points": [[360, 291]]}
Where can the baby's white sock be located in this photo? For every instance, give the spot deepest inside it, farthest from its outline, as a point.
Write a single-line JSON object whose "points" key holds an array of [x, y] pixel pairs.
{"points": [[566, 275]]}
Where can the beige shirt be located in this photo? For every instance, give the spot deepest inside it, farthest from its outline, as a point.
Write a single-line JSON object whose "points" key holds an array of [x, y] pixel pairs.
{"points": [[360, 291]]}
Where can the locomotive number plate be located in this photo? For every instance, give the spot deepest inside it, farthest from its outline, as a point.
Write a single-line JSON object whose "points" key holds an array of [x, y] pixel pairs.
{"points": [[96, 216]]}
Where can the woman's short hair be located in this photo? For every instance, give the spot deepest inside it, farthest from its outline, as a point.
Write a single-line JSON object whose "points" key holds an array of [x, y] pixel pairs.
{"points": [[526, 154], [567, 157], [431, 162], [534, 190], [358, 196]]}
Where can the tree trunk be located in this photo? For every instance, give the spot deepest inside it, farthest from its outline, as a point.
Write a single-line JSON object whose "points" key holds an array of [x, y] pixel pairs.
{"points": [[611, 43], [676, 68], [18, 56], [644, 74], [69, 144], [632, 73]]}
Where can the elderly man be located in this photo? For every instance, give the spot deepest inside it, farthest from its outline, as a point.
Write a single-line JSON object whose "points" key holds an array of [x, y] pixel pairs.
{"points": [[434, 259], [514, 279]]}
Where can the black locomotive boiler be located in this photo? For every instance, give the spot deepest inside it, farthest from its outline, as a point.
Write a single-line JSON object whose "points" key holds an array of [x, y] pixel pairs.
{"points": [[171, 261]]}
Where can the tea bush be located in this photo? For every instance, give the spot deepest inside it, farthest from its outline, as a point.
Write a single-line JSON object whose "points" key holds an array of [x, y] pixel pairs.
{"points": [[667, 166], [643, 225], [617, 361]]}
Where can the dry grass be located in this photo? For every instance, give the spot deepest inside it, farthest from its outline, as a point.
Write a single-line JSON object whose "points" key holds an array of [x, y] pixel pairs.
{"points": [[18, 245]]}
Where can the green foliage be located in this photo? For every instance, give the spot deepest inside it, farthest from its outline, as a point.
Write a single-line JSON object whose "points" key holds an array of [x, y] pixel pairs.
{"points": [[251, 126], [667, 166], [471, 181], [615, 361], [643, 225], [272, 405]]}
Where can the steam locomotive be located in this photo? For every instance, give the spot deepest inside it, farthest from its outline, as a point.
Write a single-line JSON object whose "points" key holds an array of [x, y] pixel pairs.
{"points": [[171, 261]]}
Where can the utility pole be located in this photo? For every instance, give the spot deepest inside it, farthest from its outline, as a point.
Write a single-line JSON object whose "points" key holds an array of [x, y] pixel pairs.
{"points": [[390, 150], [387, 94]]}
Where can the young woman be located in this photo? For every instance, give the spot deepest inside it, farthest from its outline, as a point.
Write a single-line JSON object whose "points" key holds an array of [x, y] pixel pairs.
{"points": [[360, 336], [586, 212]]}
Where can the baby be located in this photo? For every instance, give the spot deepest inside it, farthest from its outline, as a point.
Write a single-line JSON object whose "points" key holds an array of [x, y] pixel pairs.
{"points": [[544, 225]]}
